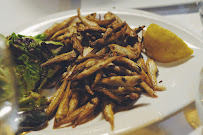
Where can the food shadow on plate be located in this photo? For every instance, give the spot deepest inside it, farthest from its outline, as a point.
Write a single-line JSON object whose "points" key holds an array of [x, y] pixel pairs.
{"points": [[42, 127], [131, 106], [175, 63]]}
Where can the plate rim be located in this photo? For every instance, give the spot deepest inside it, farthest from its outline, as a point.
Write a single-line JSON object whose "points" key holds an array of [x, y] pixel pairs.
{"points": [[120, 10], [117, 11]]}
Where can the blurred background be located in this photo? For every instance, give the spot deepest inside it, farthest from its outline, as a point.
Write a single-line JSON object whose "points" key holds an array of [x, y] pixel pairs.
{"points": [[16, 13], [185, 13]]}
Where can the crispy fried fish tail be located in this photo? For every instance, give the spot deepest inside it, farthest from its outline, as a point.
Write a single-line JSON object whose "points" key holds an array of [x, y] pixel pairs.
{"points": [[102, 63], [152, 72], [56, 27], [123, 81], [148, 89], [73, 103], [89, 108], [63, 106], [56, 100], [63, 57], [70, 117], [107, 109]]}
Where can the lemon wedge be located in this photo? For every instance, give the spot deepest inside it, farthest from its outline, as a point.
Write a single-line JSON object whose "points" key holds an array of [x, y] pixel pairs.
{"points": [[163, 45]]}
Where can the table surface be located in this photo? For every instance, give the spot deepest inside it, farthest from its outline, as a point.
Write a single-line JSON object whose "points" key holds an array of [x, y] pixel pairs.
{"points": [[15, 13]]}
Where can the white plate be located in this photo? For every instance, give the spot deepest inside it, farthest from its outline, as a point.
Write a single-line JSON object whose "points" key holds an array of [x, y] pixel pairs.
{"points": [[179, 77]]}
